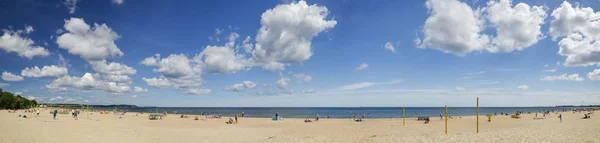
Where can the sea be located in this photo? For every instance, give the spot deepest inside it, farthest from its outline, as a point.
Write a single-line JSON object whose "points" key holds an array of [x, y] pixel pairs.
{"points": [[335, 112]]}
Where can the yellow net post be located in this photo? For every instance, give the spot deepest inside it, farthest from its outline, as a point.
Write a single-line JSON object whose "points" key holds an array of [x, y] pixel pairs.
{"points": [[477, 112], [403, 116], [446, 119]]}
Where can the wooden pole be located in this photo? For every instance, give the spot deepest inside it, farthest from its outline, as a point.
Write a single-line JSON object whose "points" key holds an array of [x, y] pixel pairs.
{"points": [[446, 119], [477, 112], [403, 112]]}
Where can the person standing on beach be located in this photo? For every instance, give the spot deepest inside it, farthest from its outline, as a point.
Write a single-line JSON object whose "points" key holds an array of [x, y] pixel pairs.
{"points": [[560, 117], [441, 117], [54, 114], [236, 115], [242, 113]]}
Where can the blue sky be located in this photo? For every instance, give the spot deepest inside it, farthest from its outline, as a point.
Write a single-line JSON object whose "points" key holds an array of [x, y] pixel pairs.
{"points": [[302, 53]]}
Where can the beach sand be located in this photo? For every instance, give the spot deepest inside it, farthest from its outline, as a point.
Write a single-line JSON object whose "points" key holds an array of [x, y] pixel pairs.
{"points": [[130, 129]]}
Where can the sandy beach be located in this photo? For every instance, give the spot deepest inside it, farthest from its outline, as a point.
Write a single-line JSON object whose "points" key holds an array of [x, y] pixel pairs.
{"points": [[131, 128]]}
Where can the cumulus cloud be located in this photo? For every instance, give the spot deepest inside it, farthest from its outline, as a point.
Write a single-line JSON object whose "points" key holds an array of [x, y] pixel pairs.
{"points": [[223, 59], [90, 43], [139, 89], [46, 71], [17, 42], [283, 82], [594, 75], [453, 27], [177, 66], [71, 5], [178, 71], [549, 70], [389, 46], [119, 78], [6, 76], [303, 77], [151, 61], [362, 66], [112, 68], [523, 87], [572, 77], [517, 27], [87, 82], [286, 33], [118, 2], [157, 82], [362, 85], [579, 27], [241, 86]]}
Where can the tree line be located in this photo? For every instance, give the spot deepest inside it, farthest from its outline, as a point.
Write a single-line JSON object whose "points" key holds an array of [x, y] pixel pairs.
{"points": [[10, 101]]}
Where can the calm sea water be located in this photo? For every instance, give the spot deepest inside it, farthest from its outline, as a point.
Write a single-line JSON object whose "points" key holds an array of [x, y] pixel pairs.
{"points": [[337, 112]]}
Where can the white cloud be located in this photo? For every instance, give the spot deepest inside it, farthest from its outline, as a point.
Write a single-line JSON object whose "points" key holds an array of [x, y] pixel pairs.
{"points": [[365, 85], [157, 82], [594, 75], [139, 89], [112, 68], [308, 90], [118, 2], [453, 27], [283, 82], [235, 87], [18, 93], [460, 89], [357, 86], [249, 84], [218, 31], [572, 77], [178, 71], [241, 86], [287, 31], [523, 87], [549, 70], [517, 27], [87, 82], [197, 91], [151, 61], [6, 76], [476, 73], [216, 59], [579, 27], [303, 77], [3, 85], [46, 71], [274, 66], [247, 45], [362, 66], [15, 41], [71, 5], [92, 44], [175, 66], [119, 78], [389, 46]]}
